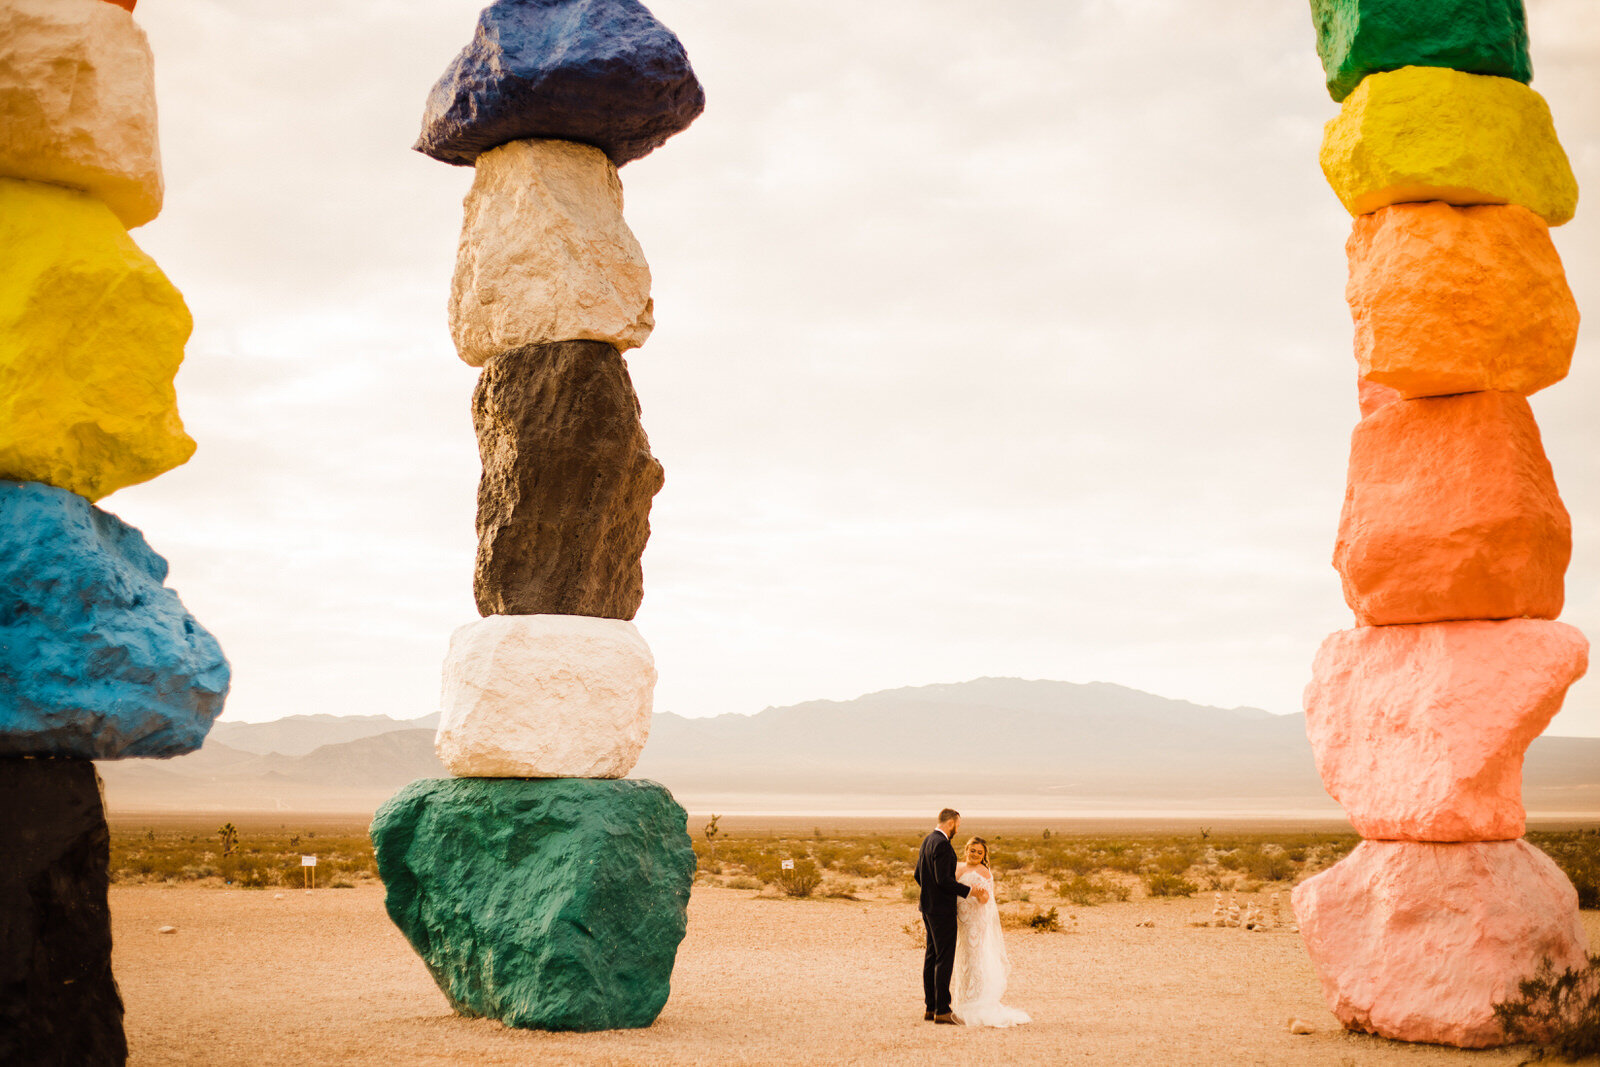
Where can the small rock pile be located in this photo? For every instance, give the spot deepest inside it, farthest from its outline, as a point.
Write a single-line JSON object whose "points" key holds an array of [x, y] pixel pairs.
{"points": [[1454, 543], [540, 886], [98, 659]]}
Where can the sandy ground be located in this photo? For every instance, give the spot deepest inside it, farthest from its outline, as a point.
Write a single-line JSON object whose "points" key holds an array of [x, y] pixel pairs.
{"points": [[262, 977]]}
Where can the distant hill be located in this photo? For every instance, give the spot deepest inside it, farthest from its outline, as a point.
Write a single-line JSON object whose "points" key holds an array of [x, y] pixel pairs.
{"points": [[1041, 745]]}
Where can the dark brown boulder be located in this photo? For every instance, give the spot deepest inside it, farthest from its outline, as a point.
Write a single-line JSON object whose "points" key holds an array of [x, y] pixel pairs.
{"points": [[59, 1004], [564, 502]]}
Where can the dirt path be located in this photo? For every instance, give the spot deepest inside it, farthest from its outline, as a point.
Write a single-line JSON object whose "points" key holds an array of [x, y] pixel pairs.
{"points": [[261, 977]]}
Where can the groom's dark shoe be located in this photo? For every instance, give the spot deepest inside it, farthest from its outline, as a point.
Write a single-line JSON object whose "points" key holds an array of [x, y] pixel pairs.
{"points": [[927, 1016], [946, 1018]]}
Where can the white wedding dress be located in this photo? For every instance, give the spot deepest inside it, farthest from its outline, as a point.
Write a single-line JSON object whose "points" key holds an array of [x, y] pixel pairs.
{"points": [[982, 966]]}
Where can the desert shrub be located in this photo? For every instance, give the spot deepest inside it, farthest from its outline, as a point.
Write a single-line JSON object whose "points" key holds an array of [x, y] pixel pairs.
{"points": [[1578, 856], [1162, 884], [1007, 861], [1557, 1013], [743, 881], [843, 890], [1175, 861], [1269, 864], [1087, 892], [801, 879], [1045, 922], [911, 891]]}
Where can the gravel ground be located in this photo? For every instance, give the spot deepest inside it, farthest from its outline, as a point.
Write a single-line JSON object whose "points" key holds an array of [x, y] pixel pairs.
{"points": [[289, 977]]}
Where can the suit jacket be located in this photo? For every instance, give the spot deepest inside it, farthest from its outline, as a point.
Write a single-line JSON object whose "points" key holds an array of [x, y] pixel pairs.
{"points": [[936, 874]]}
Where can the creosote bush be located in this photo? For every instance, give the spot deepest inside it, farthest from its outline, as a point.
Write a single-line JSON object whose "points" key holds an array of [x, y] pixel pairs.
{"points": [[1161, 884], [1559, 1014]]}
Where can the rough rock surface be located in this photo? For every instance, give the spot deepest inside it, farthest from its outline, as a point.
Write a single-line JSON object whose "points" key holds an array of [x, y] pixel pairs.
{"points": [[545, 255], [78, 102], [1451, 512], [1419, 731], [564, 502], [91, 335], [1426, 133], [545, 696], [100, 660], [1360, 37], [603, 72], [1417, 942], [1371, 396], [546, 904], [59, 1004], [1459, 299]]}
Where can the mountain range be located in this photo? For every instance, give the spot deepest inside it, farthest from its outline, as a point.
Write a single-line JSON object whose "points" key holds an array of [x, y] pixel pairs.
{"points": [[1030, 745]]}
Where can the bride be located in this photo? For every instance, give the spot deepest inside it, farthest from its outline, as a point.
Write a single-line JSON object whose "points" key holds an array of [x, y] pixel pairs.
{"points": [[981, 965]]}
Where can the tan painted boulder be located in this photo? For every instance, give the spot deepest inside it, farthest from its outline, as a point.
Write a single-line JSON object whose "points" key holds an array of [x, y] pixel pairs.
{"points": [[78, 102], [91, 336], [1420, 731], [1417, 942], [1459, 299], [545, 255], [545, 696], [1451, 512], [1431, 133]]}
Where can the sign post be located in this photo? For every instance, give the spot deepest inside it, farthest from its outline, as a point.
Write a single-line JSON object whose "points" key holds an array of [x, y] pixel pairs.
{"points": [[308, 872]]}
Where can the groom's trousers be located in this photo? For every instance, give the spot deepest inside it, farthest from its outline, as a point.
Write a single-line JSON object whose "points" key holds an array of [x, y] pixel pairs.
{"points": [[939, 960]]}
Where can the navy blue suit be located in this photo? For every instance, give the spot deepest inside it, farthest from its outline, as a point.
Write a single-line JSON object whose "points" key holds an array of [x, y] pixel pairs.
{"points": [[936, 875]]}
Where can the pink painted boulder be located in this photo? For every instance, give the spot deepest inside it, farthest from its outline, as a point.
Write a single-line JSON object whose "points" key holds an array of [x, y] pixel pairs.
{"points": [[1451, 512], [1419, 731], [1417, 941]]}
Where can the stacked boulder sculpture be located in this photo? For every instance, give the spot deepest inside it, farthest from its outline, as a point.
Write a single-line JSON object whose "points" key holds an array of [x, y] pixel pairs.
{"points": [[540, 886], [1454, 543], [98, 659]]}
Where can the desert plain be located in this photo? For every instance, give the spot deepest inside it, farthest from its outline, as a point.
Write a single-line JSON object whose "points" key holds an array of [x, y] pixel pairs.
{"points": [[285, 976]]}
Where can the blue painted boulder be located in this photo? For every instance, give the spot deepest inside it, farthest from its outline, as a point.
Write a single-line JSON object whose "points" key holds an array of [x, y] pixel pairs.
{"points": [[98, 659], [603, 72], [545, 903]]}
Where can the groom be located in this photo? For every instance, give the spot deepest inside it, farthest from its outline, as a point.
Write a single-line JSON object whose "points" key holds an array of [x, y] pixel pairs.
{"points": [[936, 874]]}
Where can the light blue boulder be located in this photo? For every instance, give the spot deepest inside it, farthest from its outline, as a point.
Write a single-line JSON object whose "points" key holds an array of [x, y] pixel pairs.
{"points": [[603, 72], [98, 659]]}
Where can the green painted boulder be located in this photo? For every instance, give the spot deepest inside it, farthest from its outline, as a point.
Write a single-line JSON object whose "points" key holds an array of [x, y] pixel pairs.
{"points": [[545, 903], [1360, 37]]}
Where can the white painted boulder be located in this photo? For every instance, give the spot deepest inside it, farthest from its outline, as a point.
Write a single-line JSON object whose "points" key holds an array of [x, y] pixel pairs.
{"points": [[78, 103], [1418, 941], [545, 255], [1420, 731], [545, 696]]}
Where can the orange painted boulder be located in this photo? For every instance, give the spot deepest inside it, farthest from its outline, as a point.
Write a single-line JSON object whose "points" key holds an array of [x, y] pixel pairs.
{"points": [[1459, 299], [1451, 512], [1419, 731], [126, 5], [1372, 396], [1417, 942]]}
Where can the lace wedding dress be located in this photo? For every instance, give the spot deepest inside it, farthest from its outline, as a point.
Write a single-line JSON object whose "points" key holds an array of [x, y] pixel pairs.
{"points": [[982, 965]]}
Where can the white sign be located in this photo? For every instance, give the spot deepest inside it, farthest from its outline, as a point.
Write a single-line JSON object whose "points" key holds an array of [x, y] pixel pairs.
{"points": [[308, 861], [788, 865]]}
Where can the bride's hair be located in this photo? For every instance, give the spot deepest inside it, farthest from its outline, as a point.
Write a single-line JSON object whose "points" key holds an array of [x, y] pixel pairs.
{"points": [[980, 841]]}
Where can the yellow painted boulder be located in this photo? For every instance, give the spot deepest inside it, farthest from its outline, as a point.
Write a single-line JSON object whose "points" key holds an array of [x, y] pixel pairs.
{"points": [[78, 102], [91, 335], [1430, 133]]}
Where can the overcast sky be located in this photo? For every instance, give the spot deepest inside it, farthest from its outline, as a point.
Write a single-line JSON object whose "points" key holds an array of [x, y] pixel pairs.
{"points": [[1008, 343]]}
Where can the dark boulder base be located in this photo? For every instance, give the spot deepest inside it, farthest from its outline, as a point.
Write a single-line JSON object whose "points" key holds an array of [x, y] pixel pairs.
{"points": [[548, 904], [59, 1005], [564, 502], [1360, 37], [603, 72]]}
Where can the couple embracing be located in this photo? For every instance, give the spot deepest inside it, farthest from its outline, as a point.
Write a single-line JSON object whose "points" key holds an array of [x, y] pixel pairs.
{"points": [[962, 922]]}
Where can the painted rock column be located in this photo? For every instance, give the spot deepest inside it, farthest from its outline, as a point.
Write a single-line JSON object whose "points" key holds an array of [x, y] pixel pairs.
{"points": [[1453, 544], [540, 886], [98, 659]]}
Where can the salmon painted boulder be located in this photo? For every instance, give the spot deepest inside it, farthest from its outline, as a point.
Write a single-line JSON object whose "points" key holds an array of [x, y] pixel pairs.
{"points": [[1459, 299], [1418, 942], [1451, 512], [1356, 38], [1427, 133], [1420, 731]]}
